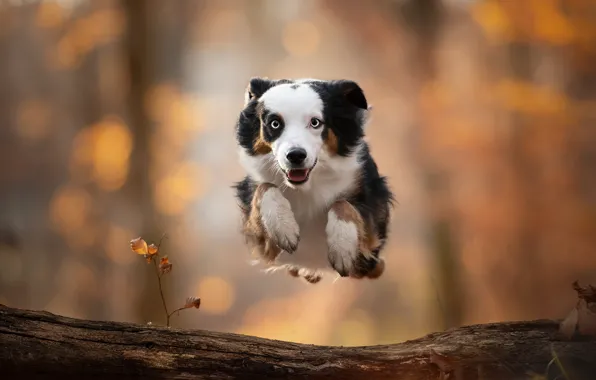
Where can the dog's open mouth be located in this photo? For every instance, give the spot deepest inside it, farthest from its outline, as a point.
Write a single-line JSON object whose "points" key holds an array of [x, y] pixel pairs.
{"points": [[298, 176]]}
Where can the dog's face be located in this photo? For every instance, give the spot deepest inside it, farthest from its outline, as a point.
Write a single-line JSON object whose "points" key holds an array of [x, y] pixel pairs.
{"points": [[302, 123]]}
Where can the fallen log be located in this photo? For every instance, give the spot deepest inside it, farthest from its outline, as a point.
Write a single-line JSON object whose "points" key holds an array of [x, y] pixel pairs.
{"points": [[38, 344]]}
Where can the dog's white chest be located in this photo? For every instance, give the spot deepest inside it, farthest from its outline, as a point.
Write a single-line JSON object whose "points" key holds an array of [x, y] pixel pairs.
{"points": [[331, 180], [310, 211]]}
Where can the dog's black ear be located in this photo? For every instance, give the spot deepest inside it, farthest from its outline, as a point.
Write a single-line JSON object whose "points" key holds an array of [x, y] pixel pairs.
{"points": [[352, 93], [257, 87]]}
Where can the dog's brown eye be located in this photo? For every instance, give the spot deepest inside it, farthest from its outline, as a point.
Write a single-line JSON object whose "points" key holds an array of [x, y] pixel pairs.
{"points": [[315, 123], [275, 124]]}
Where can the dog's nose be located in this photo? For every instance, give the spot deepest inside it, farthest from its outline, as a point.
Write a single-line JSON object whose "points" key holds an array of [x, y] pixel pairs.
{"points": [[296, 156]]}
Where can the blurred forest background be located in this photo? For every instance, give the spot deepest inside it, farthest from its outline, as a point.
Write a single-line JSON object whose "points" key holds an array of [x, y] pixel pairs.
{"points": [[117, 118]]}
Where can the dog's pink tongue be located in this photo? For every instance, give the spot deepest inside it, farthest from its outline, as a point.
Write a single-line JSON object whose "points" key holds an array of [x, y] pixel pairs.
{"points": [[297, 174]]}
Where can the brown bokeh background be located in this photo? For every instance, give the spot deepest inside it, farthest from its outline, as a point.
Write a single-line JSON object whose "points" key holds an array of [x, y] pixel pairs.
{"points": [[117, 118]]}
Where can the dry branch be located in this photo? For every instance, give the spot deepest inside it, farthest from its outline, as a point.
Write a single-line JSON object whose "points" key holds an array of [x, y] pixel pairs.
{"points": [[37, 344]]}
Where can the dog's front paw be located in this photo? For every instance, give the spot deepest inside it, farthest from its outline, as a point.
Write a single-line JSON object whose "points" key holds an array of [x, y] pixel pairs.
{"points": [[342, 241], [352, 250], [278, 219]]}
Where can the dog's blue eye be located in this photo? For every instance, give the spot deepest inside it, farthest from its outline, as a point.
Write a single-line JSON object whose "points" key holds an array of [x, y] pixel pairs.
{"points": [[315, 123], [275, 124]]}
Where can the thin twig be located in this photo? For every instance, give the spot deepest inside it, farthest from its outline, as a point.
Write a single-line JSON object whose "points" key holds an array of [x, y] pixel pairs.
{"points": [[172, 313], [160, 240], [163, 300]]}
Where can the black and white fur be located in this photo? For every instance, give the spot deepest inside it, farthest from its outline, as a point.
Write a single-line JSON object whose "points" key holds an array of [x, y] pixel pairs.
{"points": [[335, 219]]}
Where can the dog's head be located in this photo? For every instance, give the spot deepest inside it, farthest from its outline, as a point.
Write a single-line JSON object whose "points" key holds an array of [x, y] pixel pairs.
{"points": [[300, 123]]}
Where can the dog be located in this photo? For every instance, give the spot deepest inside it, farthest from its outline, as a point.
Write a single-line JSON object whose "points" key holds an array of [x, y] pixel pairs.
{"points": [[313, 200]]}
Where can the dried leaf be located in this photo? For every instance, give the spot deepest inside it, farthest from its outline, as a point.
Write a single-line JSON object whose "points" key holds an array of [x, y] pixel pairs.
{"points": [[192, 302], [585, 293], [164, 265], [568, 325], [139, 246], [152, 249]]}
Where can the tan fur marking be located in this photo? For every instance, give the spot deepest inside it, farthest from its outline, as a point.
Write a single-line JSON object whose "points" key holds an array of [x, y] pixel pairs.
{"points": [[261, 245], [367, 238], [261, 146], [346, 212], [259, 192], [331, 142]]}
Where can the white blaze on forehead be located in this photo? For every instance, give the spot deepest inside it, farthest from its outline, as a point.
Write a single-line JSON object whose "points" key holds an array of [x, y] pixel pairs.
{"points": [[296, 104], [293, 102]]}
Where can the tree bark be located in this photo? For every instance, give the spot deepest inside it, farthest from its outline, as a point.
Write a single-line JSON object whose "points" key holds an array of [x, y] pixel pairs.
{"points": [[37, 344]]}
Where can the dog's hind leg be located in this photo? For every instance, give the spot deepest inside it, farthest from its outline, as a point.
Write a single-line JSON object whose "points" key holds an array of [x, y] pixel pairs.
{"points": [[352, 242]]}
